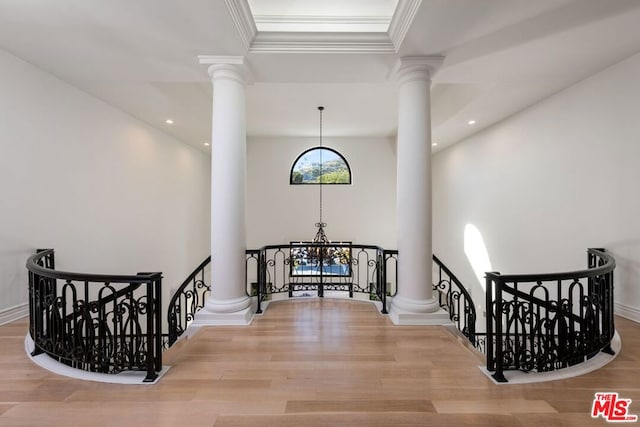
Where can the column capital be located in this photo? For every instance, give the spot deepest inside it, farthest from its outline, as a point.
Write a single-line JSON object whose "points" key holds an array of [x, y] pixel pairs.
{"points": [[409, 68], [227, 67]]}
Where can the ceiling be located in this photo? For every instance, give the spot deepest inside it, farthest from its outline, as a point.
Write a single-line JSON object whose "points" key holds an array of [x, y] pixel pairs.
{"points": [[500, 57]]}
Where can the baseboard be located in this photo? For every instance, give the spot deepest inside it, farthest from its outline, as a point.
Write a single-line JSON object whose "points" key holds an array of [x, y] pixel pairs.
{"points": [[627, 312], [8, 315]]}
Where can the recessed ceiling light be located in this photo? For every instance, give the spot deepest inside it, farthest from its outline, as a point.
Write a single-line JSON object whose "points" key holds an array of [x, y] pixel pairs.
{"points": [[206, 144], [435, 144], [471, 122], [169, 121]]}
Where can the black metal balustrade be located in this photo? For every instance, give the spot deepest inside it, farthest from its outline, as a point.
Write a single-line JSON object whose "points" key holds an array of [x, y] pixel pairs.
{"points": [[187, 300], [190, 296], [390, 275], [294, 270], [97, 323], [534, 323], [544, 322], [272, 270], [456, 300], [252, 271], [299, 269]]}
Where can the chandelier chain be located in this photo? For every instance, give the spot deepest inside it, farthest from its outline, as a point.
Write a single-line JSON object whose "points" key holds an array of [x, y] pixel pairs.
{"points": [[320, 236], [320, 177]]}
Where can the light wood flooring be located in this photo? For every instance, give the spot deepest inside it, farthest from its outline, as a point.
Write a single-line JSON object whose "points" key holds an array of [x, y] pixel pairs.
{"points": [[312, 363]]}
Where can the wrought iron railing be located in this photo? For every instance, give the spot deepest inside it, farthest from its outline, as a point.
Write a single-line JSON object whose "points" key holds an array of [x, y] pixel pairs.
{"points": [[547, 321], [544, 322], [456, 300], [190, 296], [97, 323], [300, 269], [390, 273], [252, 271], [187, 300], [272, 270]]}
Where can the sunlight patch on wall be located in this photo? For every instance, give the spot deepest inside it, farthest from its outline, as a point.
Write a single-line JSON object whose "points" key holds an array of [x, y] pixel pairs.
{"points": [[476, 252]]}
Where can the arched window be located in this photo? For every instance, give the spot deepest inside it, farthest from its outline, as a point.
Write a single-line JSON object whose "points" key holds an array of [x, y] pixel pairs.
{"points": [[320, 164]]}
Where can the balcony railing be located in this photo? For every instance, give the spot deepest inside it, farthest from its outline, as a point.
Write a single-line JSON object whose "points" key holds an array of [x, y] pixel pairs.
{"points": [[535, 322], [109, 324], [294, 270], [544, 322], [97, 323], [456, 300], [305, 269], [301, 269], [188, 299]]}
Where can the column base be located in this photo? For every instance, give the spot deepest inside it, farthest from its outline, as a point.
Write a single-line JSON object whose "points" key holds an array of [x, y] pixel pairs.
{"points": [[413, 312], [228, 305], [212, 315], [398, 317]]}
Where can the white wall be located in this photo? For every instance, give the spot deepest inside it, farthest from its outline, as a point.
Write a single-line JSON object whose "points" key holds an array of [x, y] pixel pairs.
{"points": [[363, 212], [109, 193], [549, 182]]}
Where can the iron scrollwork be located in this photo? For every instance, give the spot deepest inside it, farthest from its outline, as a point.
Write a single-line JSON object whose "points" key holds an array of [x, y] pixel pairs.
{"points": [[454, 298], [97, 323], [300, 269], [546, 322], [188, 299]]}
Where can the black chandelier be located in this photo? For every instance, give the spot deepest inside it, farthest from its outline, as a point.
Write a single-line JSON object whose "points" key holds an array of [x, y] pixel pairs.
{"points": [[321, 237]]}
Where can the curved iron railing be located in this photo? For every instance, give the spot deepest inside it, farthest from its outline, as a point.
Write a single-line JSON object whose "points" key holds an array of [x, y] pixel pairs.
{"points": [[544, 322], [190, 296], [456, 300], [97, 323], [187, 300]]}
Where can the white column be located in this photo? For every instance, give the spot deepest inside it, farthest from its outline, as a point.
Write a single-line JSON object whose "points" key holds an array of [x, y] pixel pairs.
{"points": [[415, 303], [228, 303]]}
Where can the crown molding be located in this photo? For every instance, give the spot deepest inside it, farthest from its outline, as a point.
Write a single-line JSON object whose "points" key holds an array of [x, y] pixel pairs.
{"points": [[318, 41], [401, 21], [347, 23], [305, 19], [330, 42], [243, 20]]}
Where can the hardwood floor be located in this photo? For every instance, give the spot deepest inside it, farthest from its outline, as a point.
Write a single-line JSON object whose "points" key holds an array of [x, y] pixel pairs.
{"points": [[312, 363]]}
